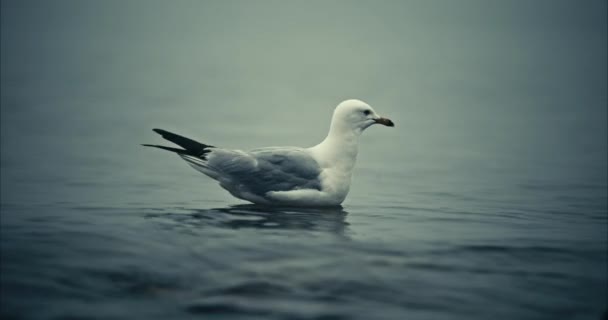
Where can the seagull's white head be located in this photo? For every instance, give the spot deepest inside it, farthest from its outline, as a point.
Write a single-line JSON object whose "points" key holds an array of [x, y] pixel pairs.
{"points": [[356, 115]]}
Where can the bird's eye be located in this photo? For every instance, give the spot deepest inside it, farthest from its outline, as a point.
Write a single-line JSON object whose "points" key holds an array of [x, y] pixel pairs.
{"points": [[366, 112]]}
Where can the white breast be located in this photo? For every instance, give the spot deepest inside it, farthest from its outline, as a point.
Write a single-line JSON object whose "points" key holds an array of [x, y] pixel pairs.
{"points": [[337, 165], [336, 183]]}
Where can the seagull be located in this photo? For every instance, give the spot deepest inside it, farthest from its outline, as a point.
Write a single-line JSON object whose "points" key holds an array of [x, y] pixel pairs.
{"points": [[287, 176]]}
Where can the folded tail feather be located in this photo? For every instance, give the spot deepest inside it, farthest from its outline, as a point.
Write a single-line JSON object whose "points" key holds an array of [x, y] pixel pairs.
{"points": [[191, 147], [176, 150]]}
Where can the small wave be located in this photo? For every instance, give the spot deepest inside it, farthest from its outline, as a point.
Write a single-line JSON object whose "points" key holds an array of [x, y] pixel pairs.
{"points": [[502, 248], [225, 307], [254, 288]]}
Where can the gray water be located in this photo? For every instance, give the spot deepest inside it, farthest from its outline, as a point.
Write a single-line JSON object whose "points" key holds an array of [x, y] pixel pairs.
{"points": [[488, 200]]}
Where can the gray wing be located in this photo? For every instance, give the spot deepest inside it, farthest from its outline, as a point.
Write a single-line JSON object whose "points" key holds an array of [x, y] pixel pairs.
{"points": [[269, 169]]}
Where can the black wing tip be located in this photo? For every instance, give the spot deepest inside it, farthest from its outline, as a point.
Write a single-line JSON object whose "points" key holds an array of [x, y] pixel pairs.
{"points": [[176, 150], [186, 143]]}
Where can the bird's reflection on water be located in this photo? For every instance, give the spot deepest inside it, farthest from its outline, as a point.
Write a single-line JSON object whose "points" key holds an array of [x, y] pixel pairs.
{"points": [[329, 219]]}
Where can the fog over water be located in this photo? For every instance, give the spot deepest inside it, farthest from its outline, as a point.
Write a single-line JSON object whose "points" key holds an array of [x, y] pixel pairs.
{"points": [[487, 200]]}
